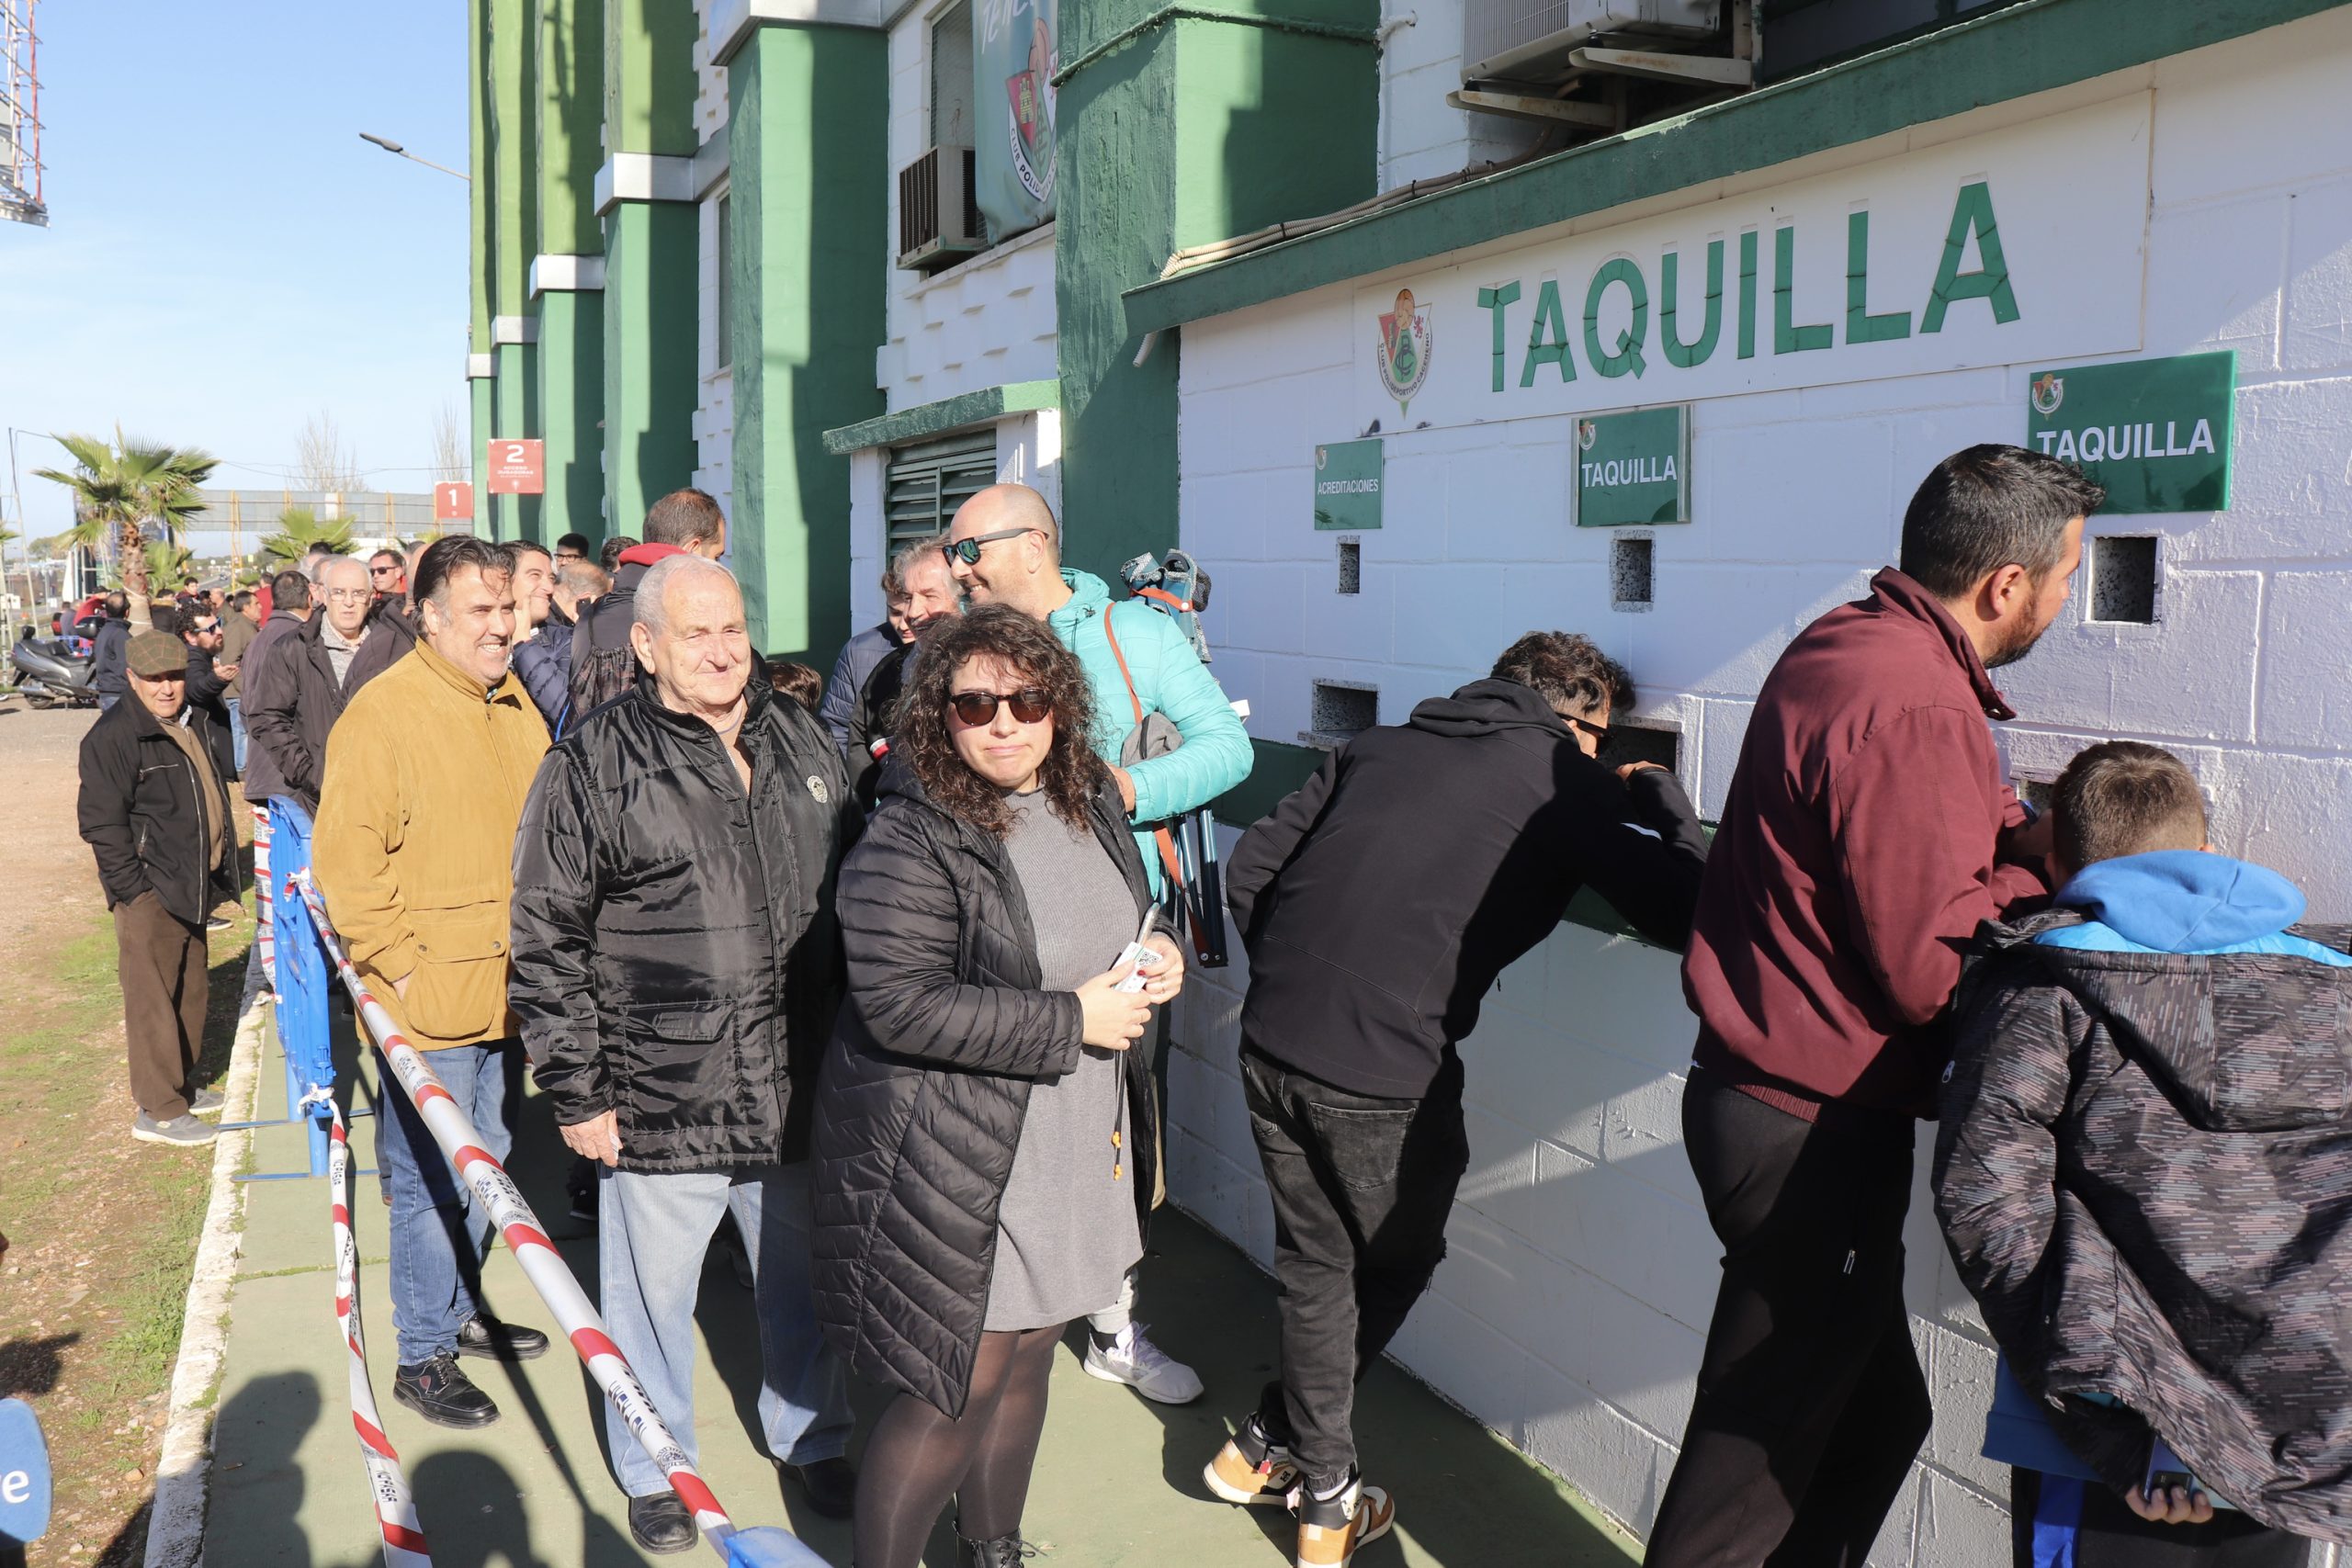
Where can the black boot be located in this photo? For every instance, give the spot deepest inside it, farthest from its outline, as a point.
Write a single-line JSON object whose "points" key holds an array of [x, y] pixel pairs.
{"points": [[1004, 1552], [438, 1390], [485, 1336], [660, 1523]]}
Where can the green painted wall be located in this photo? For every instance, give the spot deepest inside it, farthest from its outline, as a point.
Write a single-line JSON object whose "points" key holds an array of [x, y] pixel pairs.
{"points": [[568, 80], [517, 414], [568, 77], [649, 98], [1193, 131], [651, 302], [570, 371], [514, 115], [479, 402], [805, 148], [650, 309], [479, 247], [478, 274]]}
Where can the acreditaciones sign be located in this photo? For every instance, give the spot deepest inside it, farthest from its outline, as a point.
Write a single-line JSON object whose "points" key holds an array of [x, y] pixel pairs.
{"points": [[1634, 469], [1347, 486], [2154, 432]]}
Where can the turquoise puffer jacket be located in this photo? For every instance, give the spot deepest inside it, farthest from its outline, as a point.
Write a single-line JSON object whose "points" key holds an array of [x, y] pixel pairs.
{"points": [[1169, 679]]}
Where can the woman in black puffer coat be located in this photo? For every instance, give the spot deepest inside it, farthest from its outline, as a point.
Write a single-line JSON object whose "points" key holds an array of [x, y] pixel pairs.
{"points": [[984, 1137]]}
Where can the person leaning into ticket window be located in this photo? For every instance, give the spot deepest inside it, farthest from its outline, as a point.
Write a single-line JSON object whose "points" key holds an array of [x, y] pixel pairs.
{"points": [[426, 776], [677, 970]]}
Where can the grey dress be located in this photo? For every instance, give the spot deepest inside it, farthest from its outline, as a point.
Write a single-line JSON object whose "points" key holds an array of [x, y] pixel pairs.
{"points": [[1065, 1228]]}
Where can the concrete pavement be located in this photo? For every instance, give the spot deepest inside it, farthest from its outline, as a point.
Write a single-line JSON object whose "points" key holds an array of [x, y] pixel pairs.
{"points": [[1117, 1481]]}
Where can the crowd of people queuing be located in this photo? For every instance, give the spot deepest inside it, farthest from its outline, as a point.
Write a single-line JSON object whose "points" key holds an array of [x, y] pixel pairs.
{"points": [[872, 972]]}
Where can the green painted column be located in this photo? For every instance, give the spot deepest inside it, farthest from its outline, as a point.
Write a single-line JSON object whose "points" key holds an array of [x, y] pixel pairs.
{"points": [[567, 265], [513, 214], [650, 305], [808, 172], [1175, 128], [480, 256]]}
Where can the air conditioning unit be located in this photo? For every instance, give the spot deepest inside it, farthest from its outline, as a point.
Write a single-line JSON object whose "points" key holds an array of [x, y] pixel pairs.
{"points": [[939, 221], [1530, 40]]}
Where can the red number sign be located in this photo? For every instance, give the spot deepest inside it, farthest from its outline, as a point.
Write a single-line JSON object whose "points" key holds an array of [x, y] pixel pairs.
{"points": [[453, 501], [517, 468]]}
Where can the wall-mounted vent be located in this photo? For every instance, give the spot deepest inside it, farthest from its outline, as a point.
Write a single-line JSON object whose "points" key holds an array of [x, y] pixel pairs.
{"points": [[2037, 793], [1351, 566], [939, 220], [1631, 559], [1340, 711], [2123, 579]]}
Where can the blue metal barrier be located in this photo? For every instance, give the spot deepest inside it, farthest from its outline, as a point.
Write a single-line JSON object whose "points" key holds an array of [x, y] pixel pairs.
{"points": [[304, 1022]]}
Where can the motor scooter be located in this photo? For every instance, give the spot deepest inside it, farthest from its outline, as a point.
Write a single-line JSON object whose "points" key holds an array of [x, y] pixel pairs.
{"points": [[49, 674]]}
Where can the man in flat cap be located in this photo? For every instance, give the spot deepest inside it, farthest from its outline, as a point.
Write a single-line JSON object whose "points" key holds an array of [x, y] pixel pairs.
{"points": [[154, 810]]}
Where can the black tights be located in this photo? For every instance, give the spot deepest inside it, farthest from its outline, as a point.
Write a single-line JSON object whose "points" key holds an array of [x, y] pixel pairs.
{"points": [[917, 1458]]}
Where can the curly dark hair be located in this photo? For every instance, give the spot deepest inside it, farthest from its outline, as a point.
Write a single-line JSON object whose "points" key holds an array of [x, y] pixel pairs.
{"points": [[1071, 773]]}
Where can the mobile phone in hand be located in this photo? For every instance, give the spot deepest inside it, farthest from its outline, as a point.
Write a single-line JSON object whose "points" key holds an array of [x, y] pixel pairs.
{"points": [[2166, 1471]]}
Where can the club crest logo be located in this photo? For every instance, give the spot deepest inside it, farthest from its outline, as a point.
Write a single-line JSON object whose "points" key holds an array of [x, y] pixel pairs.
{"points": [[1030, 128], [1402, 349], [817, 788], [2049, 391], [1586, 433]]}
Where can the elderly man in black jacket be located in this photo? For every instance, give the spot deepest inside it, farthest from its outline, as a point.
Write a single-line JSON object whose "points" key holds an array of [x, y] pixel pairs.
{"points": [[156, 812], [292, 702], [677, 969], [1378, 905]]}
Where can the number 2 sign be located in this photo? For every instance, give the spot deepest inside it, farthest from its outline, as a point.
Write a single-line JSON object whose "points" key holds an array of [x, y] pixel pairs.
{"points": [[517, 468]]}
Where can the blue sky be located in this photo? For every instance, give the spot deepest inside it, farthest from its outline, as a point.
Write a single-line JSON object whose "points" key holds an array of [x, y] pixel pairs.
{"points": [[224, 254]]}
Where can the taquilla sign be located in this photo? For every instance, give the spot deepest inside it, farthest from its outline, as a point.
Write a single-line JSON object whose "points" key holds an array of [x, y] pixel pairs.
{"points": [[2020, 245]]}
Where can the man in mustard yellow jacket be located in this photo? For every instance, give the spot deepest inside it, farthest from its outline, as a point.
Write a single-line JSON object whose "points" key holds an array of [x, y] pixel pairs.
{"points": [[426, 772]]}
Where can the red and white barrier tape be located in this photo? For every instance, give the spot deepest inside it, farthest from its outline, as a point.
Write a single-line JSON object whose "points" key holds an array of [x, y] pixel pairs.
{"points": [[395, 1509], [542, 1265]]}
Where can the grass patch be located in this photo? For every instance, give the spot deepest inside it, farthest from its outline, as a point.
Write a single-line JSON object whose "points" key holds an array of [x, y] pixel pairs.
{"points": [[104, 1229]]}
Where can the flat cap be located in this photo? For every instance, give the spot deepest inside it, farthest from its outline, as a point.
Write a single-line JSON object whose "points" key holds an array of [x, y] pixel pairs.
{"points": [[155, 654]]}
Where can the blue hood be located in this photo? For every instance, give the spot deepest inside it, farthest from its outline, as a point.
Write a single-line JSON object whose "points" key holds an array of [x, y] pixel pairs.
{"points": [[2183, 900]]}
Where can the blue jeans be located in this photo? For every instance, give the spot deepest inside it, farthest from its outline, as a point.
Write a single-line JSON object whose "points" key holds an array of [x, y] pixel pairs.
{"points": [[237, 731], [439, 1235], [654, 1229]]}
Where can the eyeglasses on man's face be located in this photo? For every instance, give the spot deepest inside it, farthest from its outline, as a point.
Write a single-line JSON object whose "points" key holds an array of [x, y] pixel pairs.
{"points": [[968, 551], [1599, 732], [388, 570], [1030, 705]]}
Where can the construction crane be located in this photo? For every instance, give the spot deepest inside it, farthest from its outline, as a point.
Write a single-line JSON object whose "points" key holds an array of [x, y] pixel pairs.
{"points": [[20, 192]]}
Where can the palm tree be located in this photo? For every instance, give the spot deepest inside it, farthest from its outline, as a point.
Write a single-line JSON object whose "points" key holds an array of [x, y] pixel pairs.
{"points": [[297, 529], [129, 485], [170, 565]]}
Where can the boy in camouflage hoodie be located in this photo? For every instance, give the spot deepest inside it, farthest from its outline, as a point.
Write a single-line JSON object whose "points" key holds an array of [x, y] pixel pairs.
{"points": [[2143, 1170]]}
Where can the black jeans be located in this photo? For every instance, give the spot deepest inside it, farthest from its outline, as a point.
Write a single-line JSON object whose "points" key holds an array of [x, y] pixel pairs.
{"points": [[1362, 1187], [1811, 1404]]}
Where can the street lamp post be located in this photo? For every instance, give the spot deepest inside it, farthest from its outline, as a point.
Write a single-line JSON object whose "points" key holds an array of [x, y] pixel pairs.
{"points": [[397, 150]]}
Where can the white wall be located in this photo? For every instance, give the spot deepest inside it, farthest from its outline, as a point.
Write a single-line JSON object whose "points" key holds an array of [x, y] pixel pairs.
{"points": [[1421, 136], [984, 322], [1570, 1312]]}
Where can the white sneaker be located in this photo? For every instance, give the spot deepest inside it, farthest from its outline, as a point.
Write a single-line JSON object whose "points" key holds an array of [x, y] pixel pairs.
{"points": [[1141, 1365]]}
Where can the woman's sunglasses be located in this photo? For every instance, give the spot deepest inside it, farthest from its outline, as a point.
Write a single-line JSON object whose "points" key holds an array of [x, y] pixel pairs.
{"points": [[1029, 704]]}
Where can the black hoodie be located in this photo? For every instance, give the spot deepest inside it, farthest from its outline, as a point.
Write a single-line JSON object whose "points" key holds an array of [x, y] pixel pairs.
{"points": [[1380, 902]]}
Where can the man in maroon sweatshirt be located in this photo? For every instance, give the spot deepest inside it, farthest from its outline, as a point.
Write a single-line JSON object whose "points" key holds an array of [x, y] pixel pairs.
{"points": [[1867, 834]]}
